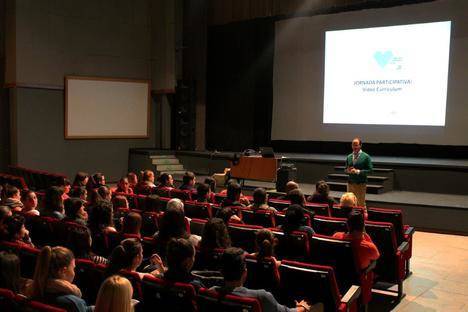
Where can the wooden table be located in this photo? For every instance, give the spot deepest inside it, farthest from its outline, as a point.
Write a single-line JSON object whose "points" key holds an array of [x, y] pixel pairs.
{"points": [[255, 168]]}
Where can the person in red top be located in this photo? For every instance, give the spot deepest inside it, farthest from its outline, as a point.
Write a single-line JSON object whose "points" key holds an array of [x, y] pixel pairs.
{"points": [[364, 249], [124, 186]]}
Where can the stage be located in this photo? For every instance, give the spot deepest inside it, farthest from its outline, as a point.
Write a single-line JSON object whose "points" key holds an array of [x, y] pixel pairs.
{"points": [[432, 193]]}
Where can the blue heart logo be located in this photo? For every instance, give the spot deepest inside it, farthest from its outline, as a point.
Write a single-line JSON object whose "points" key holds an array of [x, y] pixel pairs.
{"points": [[383, 58]]}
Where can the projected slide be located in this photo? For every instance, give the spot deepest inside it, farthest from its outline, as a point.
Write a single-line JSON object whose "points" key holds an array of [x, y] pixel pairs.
{"points": [[393, 75]]}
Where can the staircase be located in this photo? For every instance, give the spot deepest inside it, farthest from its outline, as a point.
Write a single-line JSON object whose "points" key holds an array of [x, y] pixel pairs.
{"points": [[379, 182], [168, 164]]}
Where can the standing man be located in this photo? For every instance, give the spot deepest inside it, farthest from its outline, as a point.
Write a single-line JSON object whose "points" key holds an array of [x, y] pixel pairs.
{"points": [[358, 166]]}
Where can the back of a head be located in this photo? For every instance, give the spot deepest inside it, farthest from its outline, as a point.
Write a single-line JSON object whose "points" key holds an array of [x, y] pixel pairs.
{"points": [[265, 241], [78, 192], [215, 235], [348, 200], [132, 223], [188, 177], [291, 185], [322, 188], [211, 183], [5, 212], [101, 215], [79, 241], [53, 200], [80, 178], [13, 226], [148, 176], [123, 256], [355, 221], [259, 196], [152, 203], [11, 191], [48, 265], [72, 206], [172, 223], [202, 190], [10, 273], [120, 201], [294, 218], [115, 295], [233, 191], [164, 179], [233, 264], [178, 251], [104, 192], [296, 197], [225, 214]]}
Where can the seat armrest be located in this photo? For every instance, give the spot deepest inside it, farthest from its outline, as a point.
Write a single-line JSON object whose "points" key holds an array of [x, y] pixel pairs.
{"points": [[371, 267], [403, 247], [410, 231], [352, 294]]}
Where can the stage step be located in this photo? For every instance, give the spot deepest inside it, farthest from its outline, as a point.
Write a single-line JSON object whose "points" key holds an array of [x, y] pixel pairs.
{"points": [[165, 161], [341, 187], [381, 171], [344, 176]]}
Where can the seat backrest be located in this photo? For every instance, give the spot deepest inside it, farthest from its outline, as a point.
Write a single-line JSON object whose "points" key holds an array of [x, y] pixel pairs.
{"points": [[212, 301], [197, 210], [89, 277], [166, 296], [28, 257], [292, 246], [243, 235], [180, 194], [279, 204], [262, 274], [163, 191], [338, 254], [311, 282], [318, 209], [394, 216], [135, 280], [383, 236], [7, 300], [149, 223], [209, 260], [329, 225], [263, 218], [219, 198], [37, 306], [41, 230], [197, 226]]}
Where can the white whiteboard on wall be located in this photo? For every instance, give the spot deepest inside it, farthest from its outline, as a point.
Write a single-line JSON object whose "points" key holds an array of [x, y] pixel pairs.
{"points": [[100, 108]]}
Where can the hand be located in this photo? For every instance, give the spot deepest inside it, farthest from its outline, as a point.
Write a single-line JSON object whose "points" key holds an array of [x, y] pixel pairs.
{"points": [[303, 305], [157, 261], [349, 169]]}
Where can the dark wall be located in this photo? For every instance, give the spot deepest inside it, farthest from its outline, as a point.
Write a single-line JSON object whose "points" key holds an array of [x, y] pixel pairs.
{"points": [[239, 85], [4, 109]]}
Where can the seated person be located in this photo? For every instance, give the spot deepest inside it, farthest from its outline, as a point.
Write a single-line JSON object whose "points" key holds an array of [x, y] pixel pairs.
{"points": [[215, 236], [260, 200], [5, 213], [79, 241], [81, 179], [265, 243], [180, 260], [29, 200], [132, 179], [105, 193], [95, 181], [101, 218], [291, 185], [295, 220], [53, 280], [131, 224], [16, 232], [242, 199], [75, 211], [115, 294], [153, 203], [10, 273], [188, 182], [233, 196], [79, 192], [212, 185], [146, 185], [297, 198], [13, 198], [363, 247], [228, 215], [348, 202], [204, 194], [120, 202], [234, 270], [321, 194], [165, 181], [53, 203], [66, 187], [123, 186]]}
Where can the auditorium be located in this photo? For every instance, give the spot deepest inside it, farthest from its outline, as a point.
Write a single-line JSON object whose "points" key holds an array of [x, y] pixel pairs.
{"points": [[233, 155]]}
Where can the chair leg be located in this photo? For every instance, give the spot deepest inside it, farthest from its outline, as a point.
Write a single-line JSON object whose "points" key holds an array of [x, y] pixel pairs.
{"points": [[408, 270], [400, 291]]}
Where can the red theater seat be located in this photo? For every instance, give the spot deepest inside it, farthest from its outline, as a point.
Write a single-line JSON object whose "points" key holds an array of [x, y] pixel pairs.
{"points": [[262, 274], [263, 218], [292, 246], [212, 301]]}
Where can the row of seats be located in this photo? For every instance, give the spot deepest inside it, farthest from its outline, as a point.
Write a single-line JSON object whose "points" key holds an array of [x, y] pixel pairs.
{"points": [[13, 180], [10, 301], [37, 179]]}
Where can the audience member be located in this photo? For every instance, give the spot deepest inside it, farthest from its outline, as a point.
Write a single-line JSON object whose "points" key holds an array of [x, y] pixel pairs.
{"points": [[16, 231], [233, 196], [291, 185], [203, 193], [81, 179], [146, 185], [296, 197], [13, 198], [95, 181], [79, 241], [322, 194], [132, 224], [153, 203], [66, 187], [265, 243], [79, 192], [5, 213], [228, 215], [180, 260], [115, 295], [234, 271], [101, 218], [260, 200], [215, 235], [120, 202], [10, 273], [132, 179], [295, 220], [123, 186], [188, 181], [165, 181], [30, 202], [348, 203], [212, 184], [105, 193], [75, 211], [242, 199], [53, 279], [53, 203], [363, 247]]}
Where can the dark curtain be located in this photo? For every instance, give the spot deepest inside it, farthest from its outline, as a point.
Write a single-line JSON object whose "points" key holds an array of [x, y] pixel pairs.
{"points": [[239, 85]]}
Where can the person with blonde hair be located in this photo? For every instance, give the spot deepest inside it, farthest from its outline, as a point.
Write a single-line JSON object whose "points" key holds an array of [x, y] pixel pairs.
{"points": [[348, 201], [53, 279], [115, 295]]}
